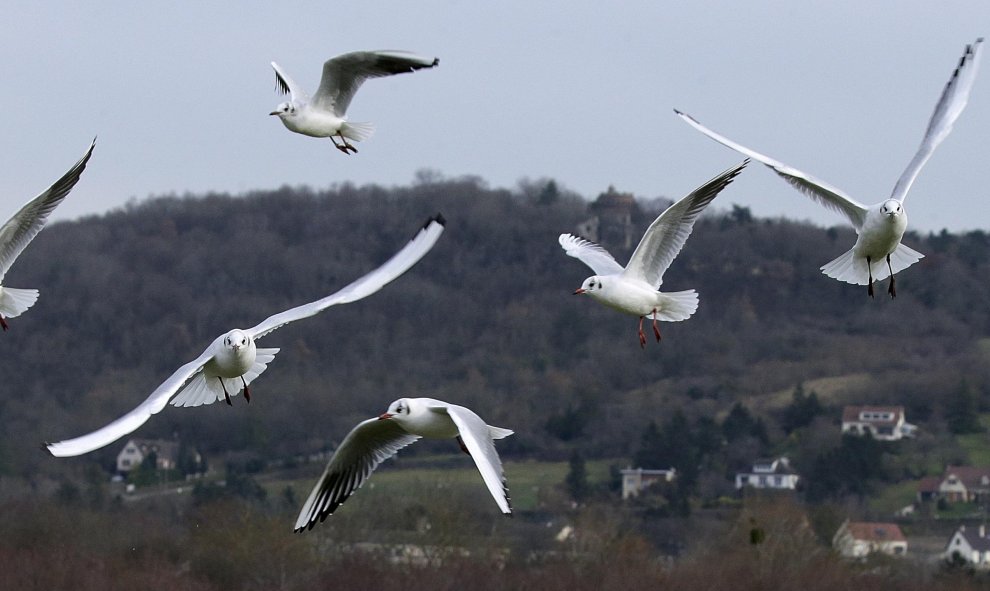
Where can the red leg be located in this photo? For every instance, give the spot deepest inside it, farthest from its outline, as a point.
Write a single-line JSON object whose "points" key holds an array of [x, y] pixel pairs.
{"points": [[338, 146], [891, 289], [642, 335], [225, 394], [3, 323], [869, 269], [247, 391], [656, 329]]}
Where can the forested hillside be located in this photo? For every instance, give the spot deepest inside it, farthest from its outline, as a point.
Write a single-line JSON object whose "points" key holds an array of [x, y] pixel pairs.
{"points": [[487, 320]]}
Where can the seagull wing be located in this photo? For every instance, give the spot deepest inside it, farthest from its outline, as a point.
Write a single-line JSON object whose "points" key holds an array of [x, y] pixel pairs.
{"points": [[820, 191], [589, 253], [20, 229], [477, 438], [400, 262], [286, 85], [667, 234], [369, 444], [344, 74], [949, 107], [137, 417]]}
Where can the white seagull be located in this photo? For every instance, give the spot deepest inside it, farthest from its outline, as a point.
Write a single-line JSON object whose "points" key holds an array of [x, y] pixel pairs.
{"points": [[232, 360], [323, 114], [373, 441], [879, 227], [633, 289], [21, 229]]}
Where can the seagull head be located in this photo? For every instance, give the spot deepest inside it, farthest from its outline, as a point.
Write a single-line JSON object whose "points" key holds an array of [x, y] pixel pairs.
{"points": [[398, 410], [891, 208], [236, 340], [286, 109], [591, 284]]}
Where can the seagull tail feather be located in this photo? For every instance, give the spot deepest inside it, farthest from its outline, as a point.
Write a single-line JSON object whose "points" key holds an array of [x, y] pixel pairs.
{"points": [[849, 268], [13, 301], [357, 131], [676, 306], [853, 269]]}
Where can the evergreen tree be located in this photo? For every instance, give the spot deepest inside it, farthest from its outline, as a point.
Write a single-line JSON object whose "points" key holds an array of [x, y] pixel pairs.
{"points": [[802, 410], [577, 478]]}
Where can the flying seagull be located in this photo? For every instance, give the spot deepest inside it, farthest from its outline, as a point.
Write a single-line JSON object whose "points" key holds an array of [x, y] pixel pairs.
{"points": [[633, 289], [323, 114], [373, 441], [879, 227], [232, 361], [21, 229]]}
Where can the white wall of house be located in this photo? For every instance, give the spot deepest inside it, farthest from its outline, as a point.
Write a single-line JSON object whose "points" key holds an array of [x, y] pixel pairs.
{"points": [[129, 458]]}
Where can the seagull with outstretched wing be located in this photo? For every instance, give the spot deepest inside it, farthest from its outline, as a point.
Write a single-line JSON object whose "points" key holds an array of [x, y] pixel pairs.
{"points": [[879, 227], [21, 229], [232, 361], [633, 289], [323, 115], [373, 441]]}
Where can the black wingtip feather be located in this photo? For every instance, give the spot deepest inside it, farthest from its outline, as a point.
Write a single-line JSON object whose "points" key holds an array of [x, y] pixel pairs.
{"points": [[438, 219]]}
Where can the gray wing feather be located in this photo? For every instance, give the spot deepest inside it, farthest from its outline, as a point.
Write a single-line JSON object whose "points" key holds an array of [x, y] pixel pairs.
{"points": [[137, 417], [368, 444], [477, 439], [344, 74], [401, 262], [666, 236], [950, 105], [818, 190], [589, 253], [286, 85], [20, 229]]}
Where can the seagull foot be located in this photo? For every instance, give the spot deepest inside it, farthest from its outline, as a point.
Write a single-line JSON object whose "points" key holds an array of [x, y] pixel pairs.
{"points": [[656, 329], [3, 323], [247, 394], [891, 289], [342, 149], [642, 340], [869, 290]]}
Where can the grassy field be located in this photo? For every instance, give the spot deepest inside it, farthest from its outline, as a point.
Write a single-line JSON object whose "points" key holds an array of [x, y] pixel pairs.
{"points": [[527, 480]]}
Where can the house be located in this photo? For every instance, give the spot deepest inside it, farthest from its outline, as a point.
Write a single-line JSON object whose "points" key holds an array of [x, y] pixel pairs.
{"points": [[769, 474], [136, 450], [971, 545], [928, 488], [612, 224], [859, 539], [883, 423], [957, 484], [634, 480]]}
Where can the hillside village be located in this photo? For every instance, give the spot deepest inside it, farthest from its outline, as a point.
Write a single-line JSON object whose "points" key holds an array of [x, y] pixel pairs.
{"points": [[735, 426]]}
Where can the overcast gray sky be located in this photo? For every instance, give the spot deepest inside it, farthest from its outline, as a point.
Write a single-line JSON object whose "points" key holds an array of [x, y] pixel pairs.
{"points": [[580, 91]]}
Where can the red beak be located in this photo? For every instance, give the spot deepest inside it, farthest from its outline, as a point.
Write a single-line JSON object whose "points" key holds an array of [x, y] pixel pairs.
{"points": [[384, 416], [579, 291]]}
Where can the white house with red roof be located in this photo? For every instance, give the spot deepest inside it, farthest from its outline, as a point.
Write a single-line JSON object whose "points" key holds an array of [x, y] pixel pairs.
{"points": [[883, 423], [859, 539]]}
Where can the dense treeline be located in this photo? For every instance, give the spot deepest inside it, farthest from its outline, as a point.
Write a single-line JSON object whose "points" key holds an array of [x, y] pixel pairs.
{"points": [[486, 320]]}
